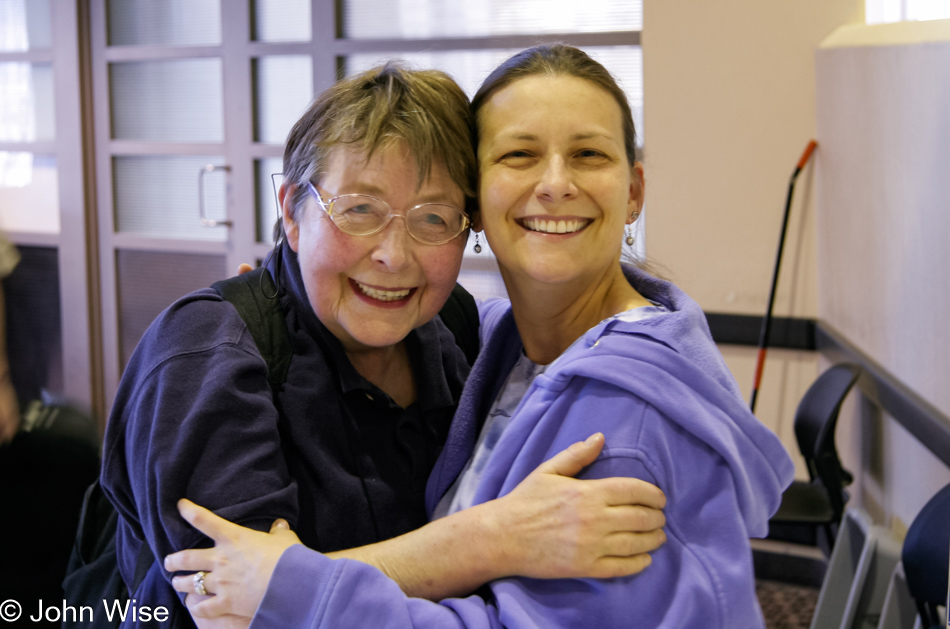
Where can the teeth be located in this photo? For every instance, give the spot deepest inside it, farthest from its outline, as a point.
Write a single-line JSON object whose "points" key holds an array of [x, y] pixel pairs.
{"points": [[383, 295], [552, 226]]}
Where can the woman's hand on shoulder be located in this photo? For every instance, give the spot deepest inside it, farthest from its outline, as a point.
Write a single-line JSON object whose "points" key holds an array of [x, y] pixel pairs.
{"points": [[236, 570], [555, 526]]}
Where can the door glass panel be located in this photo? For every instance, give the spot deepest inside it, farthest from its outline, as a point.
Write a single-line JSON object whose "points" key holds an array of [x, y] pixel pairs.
{"points": [[24, 25], [168, 101], [927, 9], [369, 19], [164, 22], [483, 284], [469, 68], [281, 20], [283, 87], [34, 335], [29, 193], [158, 196], [267, 170], [26, 102], [149, 281], [626, 65]]}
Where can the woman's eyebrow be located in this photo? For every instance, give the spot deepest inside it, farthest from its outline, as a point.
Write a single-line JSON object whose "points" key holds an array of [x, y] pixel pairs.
{"points": [[530, 137], [438, 198], [514, 135], [592, 135], [358, 187]]}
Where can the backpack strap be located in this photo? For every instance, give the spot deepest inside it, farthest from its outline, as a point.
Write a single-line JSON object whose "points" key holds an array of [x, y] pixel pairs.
{"points": [[460, 315], [264, 318]]}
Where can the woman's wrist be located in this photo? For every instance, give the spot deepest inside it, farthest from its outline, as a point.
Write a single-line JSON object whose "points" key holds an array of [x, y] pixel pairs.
{"points": [[483, 541], [451, 556]]}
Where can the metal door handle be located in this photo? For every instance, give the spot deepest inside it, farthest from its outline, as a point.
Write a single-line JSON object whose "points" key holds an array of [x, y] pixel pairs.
{"points": [[205, 221]]}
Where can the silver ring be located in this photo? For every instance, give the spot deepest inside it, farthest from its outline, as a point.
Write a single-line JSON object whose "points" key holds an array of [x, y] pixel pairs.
{"points": [[200, 583]]}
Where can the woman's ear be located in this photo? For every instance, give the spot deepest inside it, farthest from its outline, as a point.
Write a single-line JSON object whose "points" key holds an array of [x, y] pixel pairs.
{"points": [[637, 189], [286, 197]]}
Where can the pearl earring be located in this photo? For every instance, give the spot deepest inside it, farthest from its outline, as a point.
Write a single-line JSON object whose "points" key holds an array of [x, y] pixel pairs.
{"points": [[628, 229]]}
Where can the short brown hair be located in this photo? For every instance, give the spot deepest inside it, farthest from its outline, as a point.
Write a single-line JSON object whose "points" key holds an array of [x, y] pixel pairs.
{"points": [[426, 109], [559, 60]]}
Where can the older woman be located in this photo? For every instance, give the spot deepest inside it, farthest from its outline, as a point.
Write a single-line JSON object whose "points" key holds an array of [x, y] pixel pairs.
{"points": [[378, 173], [585, 344]]}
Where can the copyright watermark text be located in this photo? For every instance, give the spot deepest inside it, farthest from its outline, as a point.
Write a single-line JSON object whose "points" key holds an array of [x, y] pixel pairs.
{"points": [[11, 611]]}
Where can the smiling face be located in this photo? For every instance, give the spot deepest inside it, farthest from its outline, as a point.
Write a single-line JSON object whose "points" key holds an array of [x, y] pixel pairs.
{"points": [[556, 188], [371, 291]]}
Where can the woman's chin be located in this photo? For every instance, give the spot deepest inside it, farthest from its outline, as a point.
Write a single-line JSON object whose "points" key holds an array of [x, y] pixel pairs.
{"points": [[379, 336], [546, 271]]}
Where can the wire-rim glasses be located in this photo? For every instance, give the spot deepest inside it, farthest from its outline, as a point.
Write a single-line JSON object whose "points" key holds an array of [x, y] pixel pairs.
{"points": [[363, 215]]}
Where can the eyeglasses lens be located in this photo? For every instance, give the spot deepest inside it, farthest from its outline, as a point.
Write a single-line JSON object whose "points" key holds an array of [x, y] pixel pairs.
{"points": [[431, 223]]}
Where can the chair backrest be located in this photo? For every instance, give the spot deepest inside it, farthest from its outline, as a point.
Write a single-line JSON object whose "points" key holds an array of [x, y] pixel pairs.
{"points": [[926, 554], [815, 422]]}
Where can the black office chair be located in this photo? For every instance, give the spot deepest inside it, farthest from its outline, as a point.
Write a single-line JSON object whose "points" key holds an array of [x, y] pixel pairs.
{"points": [[811, 511], [925, 556]]}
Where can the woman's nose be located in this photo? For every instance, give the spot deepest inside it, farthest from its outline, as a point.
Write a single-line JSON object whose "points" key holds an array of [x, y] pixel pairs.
{"points": [[556, 181], [392, 251]]}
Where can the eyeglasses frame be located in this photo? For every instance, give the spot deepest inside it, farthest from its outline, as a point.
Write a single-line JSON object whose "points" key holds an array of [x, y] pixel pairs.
{"points": [[327, 206]]}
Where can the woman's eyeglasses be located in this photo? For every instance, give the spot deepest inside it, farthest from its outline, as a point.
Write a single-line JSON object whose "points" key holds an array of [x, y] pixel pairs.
{"points": [[362, 215]]}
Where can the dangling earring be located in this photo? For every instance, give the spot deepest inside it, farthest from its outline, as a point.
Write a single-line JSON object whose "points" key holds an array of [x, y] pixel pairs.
{"points": [[477, 247], [628, 229]]}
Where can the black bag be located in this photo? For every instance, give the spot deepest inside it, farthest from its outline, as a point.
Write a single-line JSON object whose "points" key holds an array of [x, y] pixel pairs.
{"points": [[92, 577], [43, 477], [93, 572]]}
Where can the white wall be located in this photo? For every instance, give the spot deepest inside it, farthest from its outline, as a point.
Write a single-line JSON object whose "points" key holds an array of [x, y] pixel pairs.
{"points": [[729, 89], [883, 209]]}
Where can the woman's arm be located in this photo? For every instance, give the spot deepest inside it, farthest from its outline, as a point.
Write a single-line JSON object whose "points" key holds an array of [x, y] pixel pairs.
{"points": [[550, 526], [194, 417]]}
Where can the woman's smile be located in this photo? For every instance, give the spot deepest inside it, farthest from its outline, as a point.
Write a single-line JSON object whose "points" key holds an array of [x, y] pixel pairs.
{"points": [[380, 296], [549, 225]]}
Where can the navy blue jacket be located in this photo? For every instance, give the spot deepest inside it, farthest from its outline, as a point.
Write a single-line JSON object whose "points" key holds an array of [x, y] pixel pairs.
{"points": [[195, 417]]}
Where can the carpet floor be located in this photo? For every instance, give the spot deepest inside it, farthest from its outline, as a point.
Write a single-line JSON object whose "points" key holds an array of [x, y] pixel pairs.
{"points": [[786, 606]]}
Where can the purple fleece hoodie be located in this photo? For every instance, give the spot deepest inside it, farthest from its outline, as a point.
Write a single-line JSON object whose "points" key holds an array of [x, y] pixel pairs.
{"points": [[672, 415]]}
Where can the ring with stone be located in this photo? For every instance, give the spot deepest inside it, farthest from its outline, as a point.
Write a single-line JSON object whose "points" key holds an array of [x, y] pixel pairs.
{"points": [[200, 583]]}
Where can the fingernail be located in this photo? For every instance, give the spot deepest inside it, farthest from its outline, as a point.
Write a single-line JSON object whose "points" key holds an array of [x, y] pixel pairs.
{"points": [[592, 438]]}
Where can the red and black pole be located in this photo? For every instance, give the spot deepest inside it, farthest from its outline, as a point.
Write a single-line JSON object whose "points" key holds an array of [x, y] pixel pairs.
{"points": [[767, 321]]}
